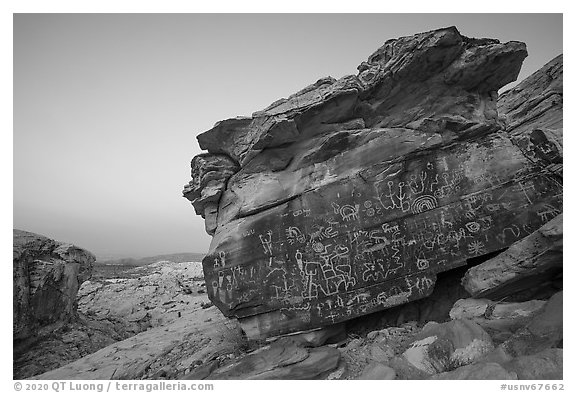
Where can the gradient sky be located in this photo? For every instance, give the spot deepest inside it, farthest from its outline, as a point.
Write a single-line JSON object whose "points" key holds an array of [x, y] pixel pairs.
{"points": [[107, 106]]}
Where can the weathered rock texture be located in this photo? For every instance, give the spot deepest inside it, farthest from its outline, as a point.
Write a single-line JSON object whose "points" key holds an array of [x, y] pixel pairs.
{"points": [[499, 319], [536, 102], [192, 339], [524, 263], [47, 275], [114, 309], [349, 196], [284, 359], [160, 294]]}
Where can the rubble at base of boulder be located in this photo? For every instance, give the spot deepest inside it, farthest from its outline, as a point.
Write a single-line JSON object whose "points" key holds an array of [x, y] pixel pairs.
{"points": [[440, 347], [484, 371], [545, 330], [499, 319]]}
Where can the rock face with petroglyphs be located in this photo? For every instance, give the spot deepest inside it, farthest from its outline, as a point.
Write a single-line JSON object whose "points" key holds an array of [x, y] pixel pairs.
{"points": [[351, 195]]}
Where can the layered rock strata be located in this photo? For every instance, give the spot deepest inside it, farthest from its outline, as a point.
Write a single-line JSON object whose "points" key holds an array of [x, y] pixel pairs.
{"points": [[349, 196], [47, 275]]}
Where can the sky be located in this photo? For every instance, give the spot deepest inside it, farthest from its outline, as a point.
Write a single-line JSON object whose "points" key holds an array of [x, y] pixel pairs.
{"points": [[107, 107]]}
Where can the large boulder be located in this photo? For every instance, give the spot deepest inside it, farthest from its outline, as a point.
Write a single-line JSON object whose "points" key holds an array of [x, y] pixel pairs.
{"points": [[47, 275], [351, 195], [283, 359], [542, 365], [377, 371], [545, 330], [522, 265], [483, 371], [499, 319], [158, 293], [443, 347]]}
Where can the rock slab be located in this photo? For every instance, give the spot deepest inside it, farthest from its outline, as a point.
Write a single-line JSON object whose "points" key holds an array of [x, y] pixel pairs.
{"points": [[46, 277], [524, 263]]}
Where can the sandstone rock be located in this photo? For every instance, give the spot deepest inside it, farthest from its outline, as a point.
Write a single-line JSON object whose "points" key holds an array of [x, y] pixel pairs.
{"points": [[158, 296], [405, 369], [542, 365], [499, 320], [441, 347], [524, 263], [381, 353], [203, 371], [210, 172], [318, 337], [339, 373], [484, 371], [283, 359], [46, 277], [536, 102], [349, 196], [62, 345], [112, 310], [319, 362], [354, 344], [474, 308], [544, 331], [182, 342], [498, 355], [377, 371]]}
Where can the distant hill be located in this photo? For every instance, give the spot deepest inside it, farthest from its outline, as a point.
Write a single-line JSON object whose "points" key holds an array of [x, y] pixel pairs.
{"points": [[180, 257]]}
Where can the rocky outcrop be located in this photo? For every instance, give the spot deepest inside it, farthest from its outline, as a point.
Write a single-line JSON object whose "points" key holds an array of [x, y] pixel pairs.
{"points": [[533, 114], [175, 348], [158, 294], [536, 102], [210, 172], [47, 329], [47, 275], [351, 195], [115, 309]]}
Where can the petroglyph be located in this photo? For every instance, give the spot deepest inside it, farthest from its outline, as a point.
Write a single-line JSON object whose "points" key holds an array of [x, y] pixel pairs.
{"points": [[476, 248], [293, 234], [472, 227], [347, 212], [393, 196], [548, 213], [266, 242], [423, 203], [321, 232]]}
